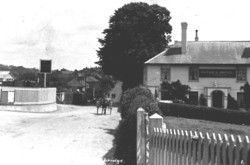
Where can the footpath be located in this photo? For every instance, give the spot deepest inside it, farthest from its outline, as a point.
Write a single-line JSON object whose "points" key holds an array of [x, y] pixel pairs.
{"points": [[73, 135]]}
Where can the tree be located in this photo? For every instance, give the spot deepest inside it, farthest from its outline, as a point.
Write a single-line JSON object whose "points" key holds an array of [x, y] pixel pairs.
{"points": [[175, 91], [137, 32], [106, 84]]}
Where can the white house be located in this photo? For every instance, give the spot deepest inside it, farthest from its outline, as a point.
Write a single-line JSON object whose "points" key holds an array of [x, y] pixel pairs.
{"points": [[6, 76], [212, 68]]}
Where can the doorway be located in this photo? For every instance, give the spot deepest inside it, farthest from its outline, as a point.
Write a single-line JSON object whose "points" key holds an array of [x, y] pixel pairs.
{"points": [[217, 99]]}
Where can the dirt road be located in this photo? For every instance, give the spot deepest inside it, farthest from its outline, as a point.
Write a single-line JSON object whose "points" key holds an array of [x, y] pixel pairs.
{"points": [[73, 135]]}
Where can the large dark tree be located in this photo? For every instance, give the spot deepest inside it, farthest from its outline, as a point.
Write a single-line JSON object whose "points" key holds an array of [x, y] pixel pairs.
{"points": [[137, 32], [106, 84]]}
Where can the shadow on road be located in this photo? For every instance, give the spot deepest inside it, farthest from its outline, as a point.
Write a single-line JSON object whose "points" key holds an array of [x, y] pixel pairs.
{"points": [[109, 156], [110, 131]]}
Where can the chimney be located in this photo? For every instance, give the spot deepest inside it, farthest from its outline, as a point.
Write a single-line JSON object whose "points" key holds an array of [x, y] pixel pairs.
{"points": [[184, 37], [196, 35]]}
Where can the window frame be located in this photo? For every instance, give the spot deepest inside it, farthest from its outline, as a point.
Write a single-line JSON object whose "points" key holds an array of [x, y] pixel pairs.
{"points": [[239, 71], [167, 71], [189, 73]]}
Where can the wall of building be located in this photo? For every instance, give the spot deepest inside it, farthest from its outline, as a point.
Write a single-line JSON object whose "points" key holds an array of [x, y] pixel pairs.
{"points": [[153, 76], [180, 72], [117, 91]]}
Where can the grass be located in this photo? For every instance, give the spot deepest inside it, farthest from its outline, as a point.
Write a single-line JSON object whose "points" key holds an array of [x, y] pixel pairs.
{"points": [[206, 126]]}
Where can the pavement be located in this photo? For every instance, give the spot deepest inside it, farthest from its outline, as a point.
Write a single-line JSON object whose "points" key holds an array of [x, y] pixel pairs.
{"points": [[72, 135]]}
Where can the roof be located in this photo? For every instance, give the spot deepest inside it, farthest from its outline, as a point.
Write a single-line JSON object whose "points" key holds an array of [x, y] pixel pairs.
{"points": [[91, 79], [75, 83], [246, 53], [6, 75], [173, 51], [206, 52], [88, 79], [80, 81]]}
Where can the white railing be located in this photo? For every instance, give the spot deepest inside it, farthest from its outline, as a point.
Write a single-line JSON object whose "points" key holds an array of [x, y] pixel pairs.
{"points": [[157, 145]]}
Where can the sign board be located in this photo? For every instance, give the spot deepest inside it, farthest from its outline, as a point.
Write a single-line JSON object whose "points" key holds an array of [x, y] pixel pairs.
{"points": [[45, 66], [222, 73]]}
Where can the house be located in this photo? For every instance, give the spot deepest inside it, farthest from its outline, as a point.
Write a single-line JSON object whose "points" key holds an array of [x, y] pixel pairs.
{"points": [[76, 84], [6, 78], [83, 82], [116, 92], [213, 69]]}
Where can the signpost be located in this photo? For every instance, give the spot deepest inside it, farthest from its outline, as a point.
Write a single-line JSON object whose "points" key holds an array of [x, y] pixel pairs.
{"points": [[45, 67]]}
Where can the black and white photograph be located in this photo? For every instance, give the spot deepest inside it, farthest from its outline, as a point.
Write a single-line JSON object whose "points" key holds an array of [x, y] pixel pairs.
{"points": [[124, 82]]}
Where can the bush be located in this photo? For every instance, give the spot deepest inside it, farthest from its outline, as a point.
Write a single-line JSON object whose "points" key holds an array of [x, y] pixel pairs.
{"points": [[125, 137], [148, 104], [175, 91], [130, 95], [205, 113]]}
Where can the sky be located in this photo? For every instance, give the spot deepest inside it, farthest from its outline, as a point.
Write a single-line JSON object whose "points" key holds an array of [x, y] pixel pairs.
{"points": [[67, 31]]}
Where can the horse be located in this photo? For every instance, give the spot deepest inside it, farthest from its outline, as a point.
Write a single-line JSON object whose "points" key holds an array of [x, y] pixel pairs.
{"points": [[105, 103], [98, 104], [110, 105]]}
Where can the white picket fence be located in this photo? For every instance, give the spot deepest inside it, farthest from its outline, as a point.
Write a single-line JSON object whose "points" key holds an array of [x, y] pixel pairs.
{"points": [[157, 145]]}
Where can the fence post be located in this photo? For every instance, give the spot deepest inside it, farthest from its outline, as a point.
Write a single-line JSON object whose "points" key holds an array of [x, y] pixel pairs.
{"points": [[141, 137], [155, 121]]}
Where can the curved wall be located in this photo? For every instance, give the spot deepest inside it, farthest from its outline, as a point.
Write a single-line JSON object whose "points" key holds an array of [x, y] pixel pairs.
{"points": [[28, 99]]}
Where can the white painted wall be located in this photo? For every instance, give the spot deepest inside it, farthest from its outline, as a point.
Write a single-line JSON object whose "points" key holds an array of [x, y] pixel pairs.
{"points": [[180, 72], [153, 75]]}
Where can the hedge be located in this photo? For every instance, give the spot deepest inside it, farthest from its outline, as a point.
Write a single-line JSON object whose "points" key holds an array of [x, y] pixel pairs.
{"points": [[125, 137], [205, 113], [129, 95]]}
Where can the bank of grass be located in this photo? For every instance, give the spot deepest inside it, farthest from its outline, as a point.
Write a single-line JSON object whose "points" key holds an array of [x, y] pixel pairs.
{"points": [[206, 126]]}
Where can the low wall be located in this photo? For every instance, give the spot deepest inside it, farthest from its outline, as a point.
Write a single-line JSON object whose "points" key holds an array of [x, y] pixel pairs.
{"points": [[28, 99]]}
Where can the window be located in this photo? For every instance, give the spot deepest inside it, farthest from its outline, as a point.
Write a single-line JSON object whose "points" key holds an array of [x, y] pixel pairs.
{"points": [[165, 73], [193, 73], [240, 99], [241, 74], [193, 97]]}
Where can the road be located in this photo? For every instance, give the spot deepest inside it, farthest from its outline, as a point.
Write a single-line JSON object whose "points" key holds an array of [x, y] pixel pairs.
{"points": [[73, 135]]}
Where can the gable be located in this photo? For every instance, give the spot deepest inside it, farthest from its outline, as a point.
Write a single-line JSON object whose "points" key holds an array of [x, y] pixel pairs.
{"points": [[4, 75]]}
